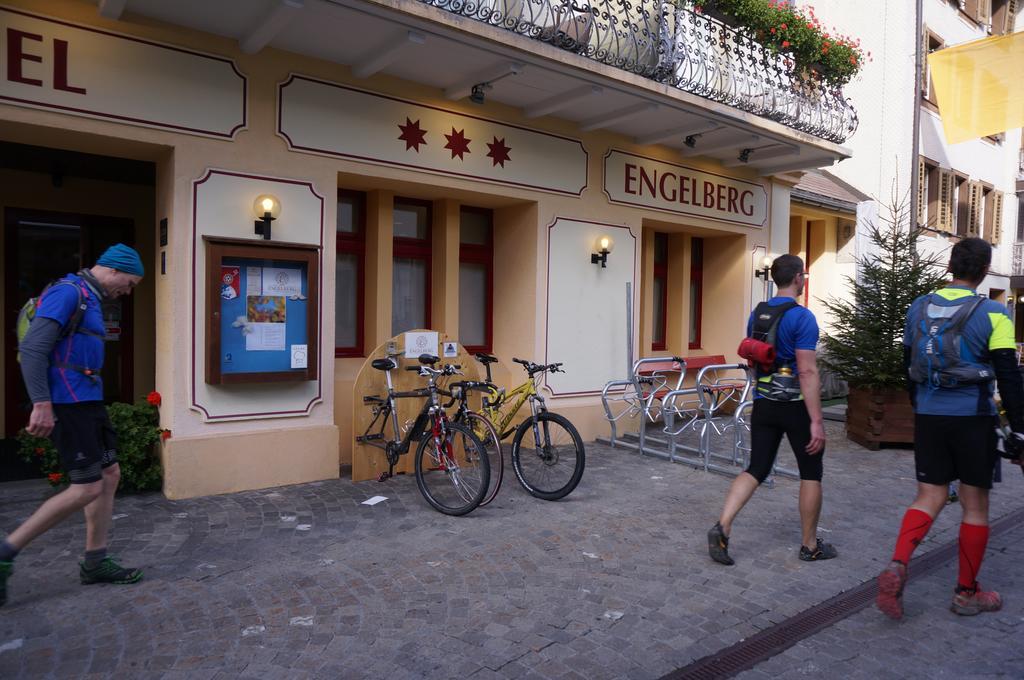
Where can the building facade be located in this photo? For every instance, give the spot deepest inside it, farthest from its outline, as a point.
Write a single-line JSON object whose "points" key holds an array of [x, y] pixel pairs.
{"points": [[310, 180], [968, 189]]}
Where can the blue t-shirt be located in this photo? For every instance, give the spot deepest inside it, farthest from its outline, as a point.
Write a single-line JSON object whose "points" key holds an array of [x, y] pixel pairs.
{"points": [[68, 386], [798, 329], [989, 328]]}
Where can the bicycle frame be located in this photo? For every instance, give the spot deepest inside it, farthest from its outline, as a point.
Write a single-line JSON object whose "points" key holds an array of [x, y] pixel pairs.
{"points": [[496, 399], [431, 413]]}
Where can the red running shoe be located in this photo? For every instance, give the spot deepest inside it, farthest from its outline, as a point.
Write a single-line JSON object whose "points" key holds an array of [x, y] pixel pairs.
{"points": [[971, 601], [890, 589]]}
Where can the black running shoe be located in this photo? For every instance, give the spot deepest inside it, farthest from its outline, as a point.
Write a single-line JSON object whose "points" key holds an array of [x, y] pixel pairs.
{"points": [[822, 551], [6, 569], [108, 571], [718, 545]]}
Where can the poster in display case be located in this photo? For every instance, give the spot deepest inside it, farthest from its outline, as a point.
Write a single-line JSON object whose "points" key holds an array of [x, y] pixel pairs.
{"points": [[262, 302]]}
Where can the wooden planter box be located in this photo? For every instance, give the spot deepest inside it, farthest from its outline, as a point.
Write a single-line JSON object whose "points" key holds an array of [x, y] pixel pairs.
{"points": [[875, 418]]}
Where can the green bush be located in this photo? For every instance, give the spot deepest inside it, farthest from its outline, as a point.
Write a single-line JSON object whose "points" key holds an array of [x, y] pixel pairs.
{"points": [[138, 430]]}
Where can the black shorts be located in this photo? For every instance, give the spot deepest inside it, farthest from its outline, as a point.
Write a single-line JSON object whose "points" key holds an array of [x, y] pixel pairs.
{"points": [[770, 420], [85, 440], [955, 447]]}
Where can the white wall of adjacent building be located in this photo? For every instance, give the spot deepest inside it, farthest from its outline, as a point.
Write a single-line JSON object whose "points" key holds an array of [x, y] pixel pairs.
{"points": [[885, 94]]}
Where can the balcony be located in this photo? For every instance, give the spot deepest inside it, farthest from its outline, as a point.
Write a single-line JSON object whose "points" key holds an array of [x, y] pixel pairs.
{"points": [[649, 72], [1017, 268], [692, 52]]}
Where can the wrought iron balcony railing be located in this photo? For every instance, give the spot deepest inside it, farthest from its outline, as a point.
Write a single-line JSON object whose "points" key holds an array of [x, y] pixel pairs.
{"points": [[693, 52], [1017, 268]]}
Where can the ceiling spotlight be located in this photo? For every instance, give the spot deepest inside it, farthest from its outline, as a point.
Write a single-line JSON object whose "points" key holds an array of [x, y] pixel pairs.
{"points": [[477, 94], [745, 155], [691, 140]]}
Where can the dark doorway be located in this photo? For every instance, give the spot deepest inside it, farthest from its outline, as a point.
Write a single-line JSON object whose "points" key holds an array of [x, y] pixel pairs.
{"points": [[42, 246]]}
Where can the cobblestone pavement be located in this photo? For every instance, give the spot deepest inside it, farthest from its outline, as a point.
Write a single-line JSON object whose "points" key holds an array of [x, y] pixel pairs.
{"points": [[613, 582]]}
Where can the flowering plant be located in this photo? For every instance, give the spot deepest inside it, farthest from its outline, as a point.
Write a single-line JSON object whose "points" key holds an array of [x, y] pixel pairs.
{"points": [[138, 429], [782, 29]]}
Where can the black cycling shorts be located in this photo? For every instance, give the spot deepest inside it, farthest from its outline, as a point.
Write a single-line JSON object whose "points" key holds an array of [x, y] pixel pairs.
{"points": [[85, 440], [955, 447], [770, 420]]}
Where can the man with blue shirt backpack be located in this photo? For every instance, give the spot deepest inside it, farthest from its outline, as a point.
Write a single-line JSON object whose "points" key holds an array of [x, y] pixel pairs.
{"points": [[788, 402], [61, 358], [956, 343]]}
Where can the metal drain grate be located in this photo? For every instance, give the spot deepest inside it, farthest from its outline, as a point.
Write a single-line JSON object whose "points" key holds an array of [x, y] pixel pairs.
{"points": [[767, 643]]}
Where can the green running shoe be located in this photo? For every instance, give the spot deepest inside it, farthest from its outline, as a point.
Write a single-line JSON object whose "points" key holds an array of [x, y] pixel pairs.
{"points": [[108, 571], [6, 569]]}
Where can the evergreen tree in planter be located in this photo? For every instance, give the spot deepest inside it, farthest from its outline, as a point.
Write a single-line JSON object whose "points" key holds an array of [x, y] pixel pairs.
{"points": [[865, 347]]}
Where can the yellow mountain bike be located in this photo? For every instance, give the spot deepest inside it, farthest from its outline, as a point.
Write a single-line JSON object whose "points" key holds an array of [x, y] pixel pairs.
{"points": [[547, 450]]}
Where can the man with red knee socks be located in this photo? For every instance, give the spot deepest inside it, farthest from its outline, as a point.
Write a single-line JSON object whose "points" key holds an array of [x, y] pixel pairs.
{"points": [[955, 344]]}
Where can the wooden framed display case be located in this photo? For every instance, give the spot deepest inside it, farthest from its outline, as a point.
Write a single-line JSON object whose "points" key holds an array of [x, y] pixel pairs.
{"points": [[262, 311]]}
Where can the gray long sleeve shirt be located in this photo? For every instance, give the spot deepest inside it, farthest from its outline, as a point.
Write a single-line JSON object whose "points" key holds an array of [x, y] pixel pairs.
{"points": [[35, 351]]}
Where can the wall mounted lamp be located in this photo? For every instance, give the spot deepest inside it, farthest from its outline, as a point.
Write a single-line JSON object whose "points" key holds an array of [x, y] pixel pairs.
{"points": [[266, 208], [603, 245], [766, 269]]}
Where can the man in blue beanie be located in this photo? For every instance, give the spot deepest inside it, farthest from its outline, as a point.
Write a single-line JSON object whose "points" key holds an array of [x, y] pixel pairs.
{"points": [[61, 361]]}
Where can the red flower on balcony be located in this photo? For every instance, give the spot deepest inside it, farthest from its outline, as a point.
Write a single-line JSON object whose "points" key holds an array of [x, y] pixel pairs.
{"points": [[154, 398], [785, 43], [55, 477], [165, 435]]}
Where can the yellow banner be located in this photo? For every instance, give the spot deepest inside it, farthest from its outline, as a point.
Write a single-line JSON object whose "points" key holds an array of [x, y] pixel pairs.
{"points": [[979, 86]]}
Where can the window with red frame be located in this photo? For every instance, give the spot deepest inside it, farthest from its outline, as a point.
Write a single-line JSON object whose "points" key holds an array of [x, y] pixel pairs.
{"points": [[476, 278], [349, 291], [410, 275], [660, 291], [696, 289]]}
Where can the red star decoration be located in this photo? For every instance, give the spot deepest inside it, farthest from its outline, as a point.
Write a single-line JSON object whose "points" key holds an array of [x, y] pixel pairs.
{"points": [[412, 134], [498, 152], [458, 143]]}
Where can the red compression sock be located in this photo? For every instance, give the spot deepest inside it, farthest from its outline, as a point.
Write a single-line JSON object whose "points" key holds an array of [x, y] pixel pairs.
{"points": [[973, 539], [916, 524]]}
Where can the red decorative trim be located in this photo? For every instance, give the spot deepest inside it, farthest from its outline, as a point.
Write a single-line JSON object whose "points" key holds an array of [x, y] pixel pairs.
{"points": [[604, 190], [697, 276], [547, 297], [660, 272], [355, 245], [481, 254], [491, 180], [418, 249], [139, 121], [320, 316]]}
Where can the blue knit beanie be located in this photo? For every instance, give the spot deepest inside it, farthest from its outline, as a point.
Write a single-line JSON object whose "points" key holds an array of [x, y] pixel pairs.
{"points": [[123, 259]]}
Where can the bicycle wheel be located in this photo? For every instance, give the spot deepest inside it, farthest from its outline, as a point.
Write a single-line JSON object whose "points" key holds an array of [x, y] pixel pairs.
{"points": [[454, 479], [488, 436], [548, 456]]}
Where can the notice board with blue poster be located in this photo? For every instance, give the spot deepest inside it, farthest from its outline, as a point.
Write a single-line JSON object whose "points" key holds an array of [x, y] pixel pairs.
{"points": [[262, 311]]}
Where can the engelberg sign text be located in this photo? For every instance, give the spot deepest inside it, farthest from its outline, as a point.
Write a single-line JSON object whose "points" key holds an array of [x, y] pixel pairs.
{"points": [[640, 181]]}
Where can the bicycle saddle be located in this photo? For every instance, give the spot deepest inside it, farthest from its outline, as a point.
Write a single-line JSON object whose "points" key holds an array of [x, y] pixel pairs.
{"points": [[385, 364], [486, 358], [428, 359]]}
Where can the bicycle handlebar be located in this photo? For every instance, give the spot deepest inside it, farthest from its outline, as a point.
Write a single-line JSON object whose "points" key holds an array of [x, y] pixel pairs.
{"points": [[532, 368]]}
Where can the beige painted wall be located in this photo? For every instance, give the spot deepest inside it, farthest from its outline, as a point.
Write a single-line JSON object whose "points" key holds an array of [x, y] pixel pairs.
{"points": [[827, 276], [521, 221]]}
